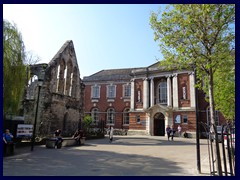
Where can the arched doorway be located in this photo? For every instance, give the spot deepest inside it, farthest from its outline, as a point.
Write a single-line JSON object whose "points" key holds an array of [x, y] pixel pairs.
{"points": [[159, 124]]}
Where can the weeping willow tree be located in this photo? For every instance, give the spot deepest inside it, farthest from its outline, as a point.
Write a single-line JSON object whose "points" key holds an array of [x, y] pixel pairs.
{"points": [[202, 35], [14, 70]]}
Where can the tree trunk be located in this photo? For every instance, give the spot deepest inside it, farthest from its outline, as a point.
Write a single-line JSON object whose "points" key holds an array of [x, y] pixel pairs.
{"points": [[213, 124]]}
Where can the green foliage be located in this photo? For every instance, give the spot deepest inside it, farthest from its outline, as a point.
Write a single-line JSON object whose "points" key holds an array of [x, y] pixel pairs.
{"points": [[87, 120], [224, 91], [14, 70], [202, 35]]}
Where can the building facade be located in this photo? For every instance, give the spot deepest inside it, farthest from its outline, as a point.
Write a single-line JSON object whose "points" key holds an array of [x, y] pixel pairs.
{"points": [[145, 100]]}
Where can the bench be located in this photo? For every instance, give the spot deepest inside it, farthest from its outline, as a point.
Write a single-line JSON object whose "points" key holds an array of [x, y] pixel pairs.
{"points": [[67, 141], [72, 142], [50, 143]]}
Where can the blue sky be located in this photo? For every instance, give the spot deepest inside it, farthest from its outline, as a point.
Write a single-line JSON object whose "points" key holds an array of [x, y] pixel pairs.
{"points": [[105, 36]]}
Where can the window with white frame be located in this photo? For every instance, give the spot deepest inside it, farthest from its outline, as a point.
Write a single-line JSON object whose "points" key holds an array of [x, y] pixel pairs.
{"points": [[111, 91], [185, 119], [127, 90], [110, 116], [162, 92], [126, 116], [95, 115], [209, 118], [95, 91]]}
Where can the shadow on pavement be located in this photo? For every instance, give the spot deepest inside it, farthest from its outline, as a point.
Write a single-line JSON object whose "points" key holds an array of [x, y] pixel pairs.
{"points": [[78, 162]]}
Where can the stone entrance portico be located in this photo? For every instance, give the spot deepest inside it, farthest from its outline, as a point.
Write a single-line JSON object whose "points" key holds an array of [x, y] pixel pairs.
{"points": [[151, 117]]}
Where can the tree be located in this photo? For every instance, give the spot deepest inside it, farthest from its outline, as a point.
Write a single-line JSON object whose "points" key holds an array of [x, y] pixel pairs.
{"points": [[14, 70], [201, 35], [224, 91], [31, 58], [87, 121]]}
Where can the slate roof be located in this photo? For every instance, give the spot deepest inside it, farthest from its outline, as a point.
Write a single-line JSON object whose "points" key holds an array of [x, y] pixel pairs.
{"points": [[122, 74], [111, 75]]}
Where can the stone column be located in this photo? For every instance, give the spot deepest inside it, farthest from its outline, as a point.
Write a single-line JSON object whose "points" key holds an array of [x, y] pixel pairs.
{"points": [[148, 123], [152, 92], [192, 90], [175, 91], [145, 94], [169, 91], [132, 94]]}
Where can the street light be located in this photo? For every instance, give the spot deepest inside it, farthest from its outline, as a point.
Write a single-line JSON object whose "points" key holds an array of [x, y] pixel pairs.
{"points": [[40, 82], [197, 122]]}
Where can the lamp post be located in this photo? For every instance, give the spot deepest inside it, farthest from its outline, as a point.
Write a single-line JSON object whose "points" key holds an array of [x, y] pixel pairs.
{"points": [[197, 123], [40, 79]]}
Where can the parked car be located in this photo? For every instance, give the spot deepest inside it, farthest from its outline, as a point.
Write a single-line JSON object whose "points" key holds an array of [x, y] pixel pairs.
{"points": [[219, 133], [231, 140]]}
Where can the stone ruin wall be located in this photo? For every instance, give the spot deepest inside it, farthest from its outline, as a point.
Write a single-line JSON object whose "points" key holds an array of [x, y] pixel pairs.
{"points": [[61, 95]]}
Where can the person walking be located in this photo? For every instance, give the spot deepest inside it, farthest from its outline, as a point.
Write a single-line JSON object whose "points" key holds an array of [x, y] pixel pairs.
{"points": [[172, 131], [110, 134], [179, 131], [77, 137], [168, 130]]}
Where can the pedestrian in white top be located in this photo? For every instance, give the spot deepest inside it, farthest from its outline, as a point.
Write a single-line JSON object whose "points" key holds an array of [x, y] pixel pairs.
{"points": [[110, 134], [179, 131]]}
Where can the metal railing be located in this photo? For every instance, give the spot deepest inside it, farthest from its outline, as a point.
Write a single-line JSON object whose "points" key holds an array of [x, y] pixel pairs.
{"points": [[226, 142]]}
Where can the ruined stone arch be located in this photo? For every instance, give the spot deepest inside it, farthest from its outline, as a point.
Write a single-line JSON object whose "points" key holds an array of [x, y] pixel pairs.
{"points": [[69, 78], [61, 97], [60, 76], [74, 82]]}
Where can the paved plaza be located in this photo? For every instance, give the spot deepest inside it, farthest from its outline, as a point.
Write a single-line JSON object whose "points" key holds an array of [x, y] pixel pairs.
{"points": [[125, 156]]}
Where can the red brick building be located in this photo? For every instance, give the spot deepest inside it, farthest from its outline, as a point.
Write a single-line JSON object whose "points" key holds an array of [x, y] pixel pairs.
{"points": [[145, 100]]}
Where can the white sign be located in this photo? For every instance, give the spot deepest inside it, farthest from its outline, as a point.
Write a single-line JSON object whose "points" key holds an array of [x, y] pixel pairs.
{"points": [[24, 130], [178, 119]]}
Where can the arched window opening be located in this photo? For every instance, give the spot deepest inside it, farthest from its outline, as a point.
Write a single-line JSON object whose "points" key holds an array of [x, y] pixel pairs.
{"points": [[58, 77], [110, 116], [95, 115], [65, 81], [61, 83], [70, 87], [74, 82]]}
